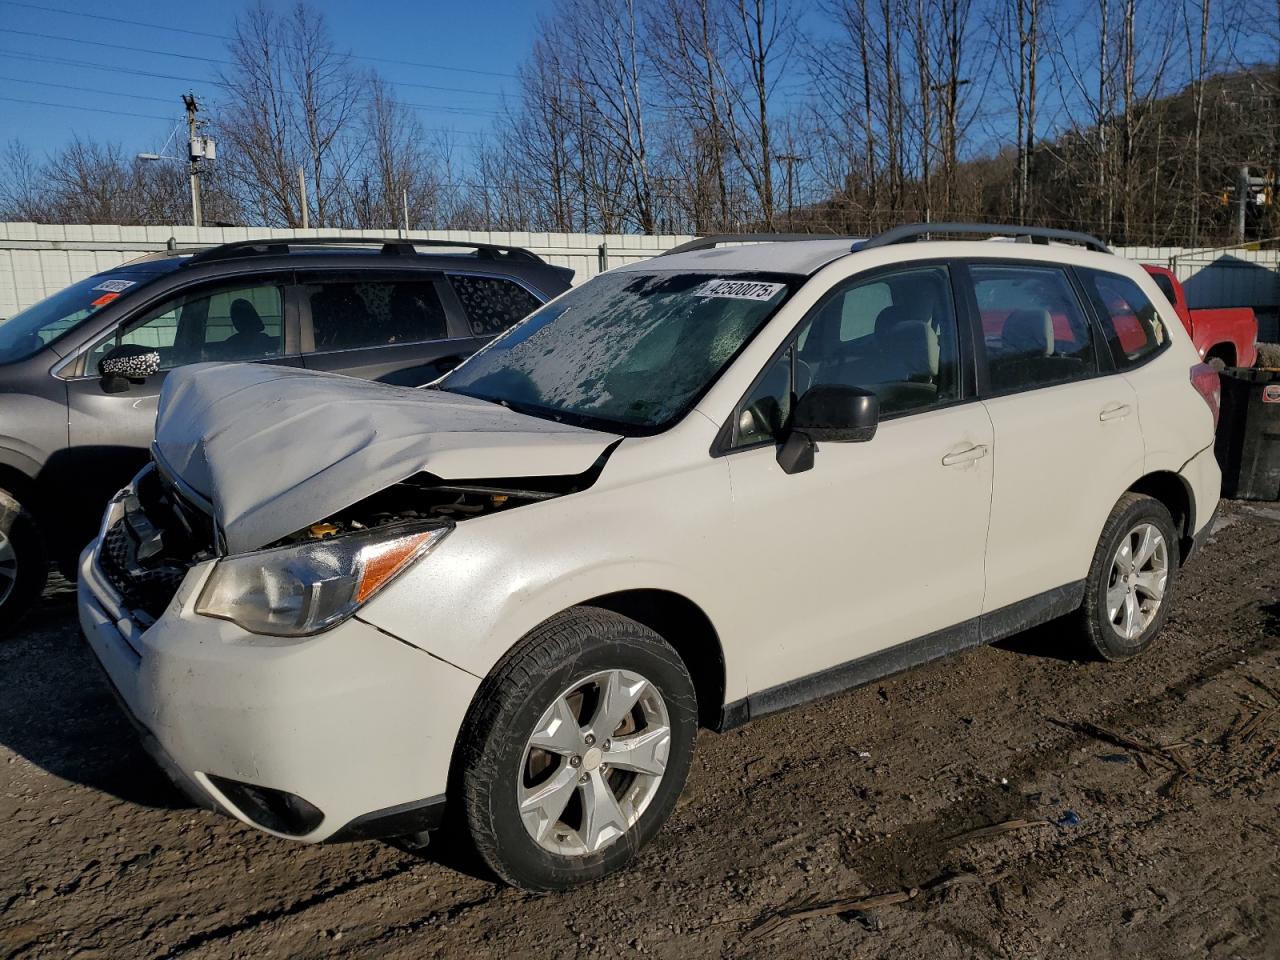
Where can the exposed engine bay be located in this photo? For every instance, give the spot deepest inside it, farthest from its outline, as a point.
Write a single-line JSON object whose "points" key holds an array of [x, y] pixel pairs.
{"points": [[161, 534], [427, 498]]}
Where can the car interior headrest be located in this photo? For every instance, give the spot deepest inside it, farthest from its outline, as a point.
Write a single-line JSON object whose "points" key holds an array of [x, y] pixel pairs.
{"points": [[1028, 333]]}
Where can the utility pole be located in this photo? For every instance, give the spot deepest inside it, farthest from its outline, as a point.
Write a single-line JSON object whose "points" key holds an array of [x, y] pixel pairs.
{"points": [[790, 159], [196, 151], [302, 192]]}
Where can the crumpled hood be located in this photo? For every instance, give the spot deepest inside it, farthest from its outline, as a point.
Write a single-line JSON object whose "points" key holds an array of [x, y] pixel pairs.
{"points": [[278, 448]]}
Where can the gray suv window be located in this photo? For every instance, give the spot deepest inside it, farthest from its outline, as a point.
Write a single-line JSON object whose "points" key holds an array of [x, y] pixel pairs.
{"points": [[231, 323], [492, 303], [346, 315]]}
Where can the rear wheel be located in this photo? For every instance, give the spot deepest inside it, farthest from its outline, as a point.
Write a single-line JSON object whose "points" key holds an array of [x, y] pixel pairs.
{"points": [[23, 563], [576, 749], [1131, 578]]}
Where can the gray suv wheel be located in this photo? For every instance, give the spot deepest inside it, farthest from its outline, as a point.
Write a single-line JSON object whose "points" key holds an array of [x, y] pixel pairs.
{"points": [[24, 566]]}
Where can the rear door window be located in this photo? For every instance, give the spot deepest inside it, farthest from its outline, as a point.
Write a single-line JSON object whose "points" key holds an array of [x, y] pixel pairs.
{"points": [[348, 315], [1034, 328], [1133, 328], [492, 304]]}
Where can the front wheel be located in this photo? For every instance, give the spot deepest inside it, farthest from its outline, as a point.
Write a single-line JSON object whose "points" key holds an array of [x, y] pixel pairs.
{"points": [[1131, 579], [576, 749], [23, 564]]}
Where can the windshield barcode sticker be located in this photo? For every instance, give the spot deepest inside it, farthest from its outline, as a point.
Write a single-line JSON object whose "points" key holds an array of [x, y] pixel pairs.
{"points": [[115, 286], [739, 289]]}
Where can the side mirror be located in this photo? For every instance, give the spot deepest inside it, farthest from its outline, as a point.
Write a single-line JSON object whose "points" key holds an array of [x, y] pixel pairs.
{"points": [[126, 364], [830, 413]]}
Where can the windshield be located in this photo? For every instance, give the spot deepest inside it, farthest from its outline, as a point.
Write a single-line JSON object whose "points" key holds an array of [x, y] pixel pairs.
{"points": [[29, 331], [626, 351]]}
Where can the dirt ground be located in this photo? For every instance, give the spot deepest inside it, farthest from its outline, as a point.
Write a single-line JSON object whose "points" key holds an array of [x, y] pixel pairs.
{"points": [[1135, 807]]}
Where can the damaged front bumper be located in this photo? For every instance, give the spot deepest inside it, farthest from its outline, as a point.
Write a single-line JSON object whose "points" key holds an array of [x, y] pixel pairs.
{"points": [[345, 735]]}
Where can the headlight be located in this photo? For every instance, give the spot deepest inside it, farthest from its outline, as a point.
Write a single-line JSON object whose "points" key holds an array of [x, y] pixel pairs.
{"points": [[302, 589]]}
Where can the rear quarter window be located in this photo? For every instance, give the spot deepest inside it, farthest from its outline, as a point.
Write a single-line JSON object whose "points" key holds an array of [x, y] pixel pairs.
{"points": [[1133, 328], [492, 304]]}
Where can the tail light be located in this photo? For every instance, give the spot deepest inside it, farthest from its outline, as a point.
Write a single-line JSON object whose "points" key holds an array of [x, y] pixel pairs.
{"points": [[1205, 379]]}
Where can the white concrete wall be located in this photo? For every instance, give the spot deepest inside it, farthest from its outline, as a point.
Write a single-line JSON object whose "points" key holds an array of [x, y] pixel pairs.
{"points": [[37, 260]]}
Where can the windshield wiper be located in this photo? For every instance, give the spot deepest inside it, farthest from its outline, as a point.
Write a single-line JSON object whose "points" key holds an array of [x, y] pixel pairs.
{"points": [[528, 409]]}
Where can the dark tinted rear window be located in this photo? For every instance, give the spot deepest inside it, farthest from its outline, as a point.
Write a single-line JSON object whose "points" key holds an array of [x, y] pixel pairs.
{"points": [[492, 303], [350, 314]]}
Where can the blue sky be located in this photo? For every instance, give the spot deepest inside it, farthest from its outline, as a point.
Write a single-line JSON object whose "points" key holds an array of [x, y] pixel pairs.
{"points": [[39, 63], [127, 62]]}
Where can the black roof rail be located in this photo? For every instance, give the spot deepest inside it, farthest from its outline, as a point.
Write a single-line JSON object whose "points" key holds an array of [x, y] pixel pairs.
{"points": [[914, 231], [716, 239], [391, 246]]}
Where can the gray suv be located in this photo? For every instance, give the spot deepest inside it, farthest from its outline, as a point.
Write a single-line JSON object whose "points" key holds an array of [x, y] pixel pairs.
{"points": [[81, 371]]}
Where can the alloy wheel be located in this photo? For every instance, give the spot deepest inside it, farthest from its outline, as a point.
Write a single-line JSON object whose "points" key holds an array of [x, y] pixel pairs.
{"points": [[1139, 575], [593, 762], [8, 567]]}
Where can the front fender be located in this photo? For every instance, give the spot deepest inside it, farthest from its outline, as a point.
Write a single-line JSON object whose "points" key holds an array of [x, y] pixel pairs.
{"points": [[20, 458], [495, 578]]}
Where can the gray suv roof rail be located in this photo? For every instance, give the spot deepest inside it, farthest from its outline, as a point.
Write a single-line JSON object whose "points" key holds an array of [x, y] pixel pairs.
{"points": [[914, 231], [391, 246], [716, 239]]}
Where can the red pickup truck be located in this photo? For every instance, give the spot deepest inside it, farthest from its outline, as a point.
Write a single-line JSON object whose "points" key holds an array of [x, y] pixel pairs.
{"points": [[1225, 337]]}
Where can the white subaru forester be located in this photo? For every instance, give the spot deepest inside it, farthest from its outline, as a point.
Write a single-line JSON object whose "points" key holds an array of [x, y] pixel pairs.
{"points": [[691, 491]]}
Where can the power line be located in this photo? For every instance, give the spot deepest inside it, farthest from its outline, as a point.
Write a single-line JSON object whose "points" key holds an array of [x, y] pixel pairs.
{"points": [[114, 46], [105, 93], [139, 96], [98, 16], [222, 36], [74, 106], [226, 63], [62, 61]]}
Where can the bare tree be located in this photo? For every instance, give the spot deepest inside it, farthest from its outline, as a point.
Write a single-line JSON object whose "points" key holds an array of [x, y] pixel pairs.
{"points": [[922, 30], [292, 101], [602, 52], [688, 53], [1015, 28], [760, 40], [22, 196], [93, 182], [397, 180]]}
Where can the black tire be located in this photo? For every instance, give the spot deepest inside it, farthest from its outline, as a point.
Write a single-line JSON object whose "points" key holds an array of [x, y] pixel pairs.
{"points": [[551, 659], [1103, 637], [23, 578]]}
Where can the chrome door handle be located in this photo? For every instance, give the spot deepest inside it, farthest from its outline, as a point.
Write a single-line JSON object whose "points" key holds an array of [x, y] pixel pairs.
{"points": [[1115, 411], [976, 452]]}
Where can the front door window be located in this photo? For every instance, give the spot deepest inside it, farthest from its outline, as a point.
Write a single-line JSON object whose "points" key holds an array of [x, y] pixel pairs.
{"points": [[237, 323]]}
